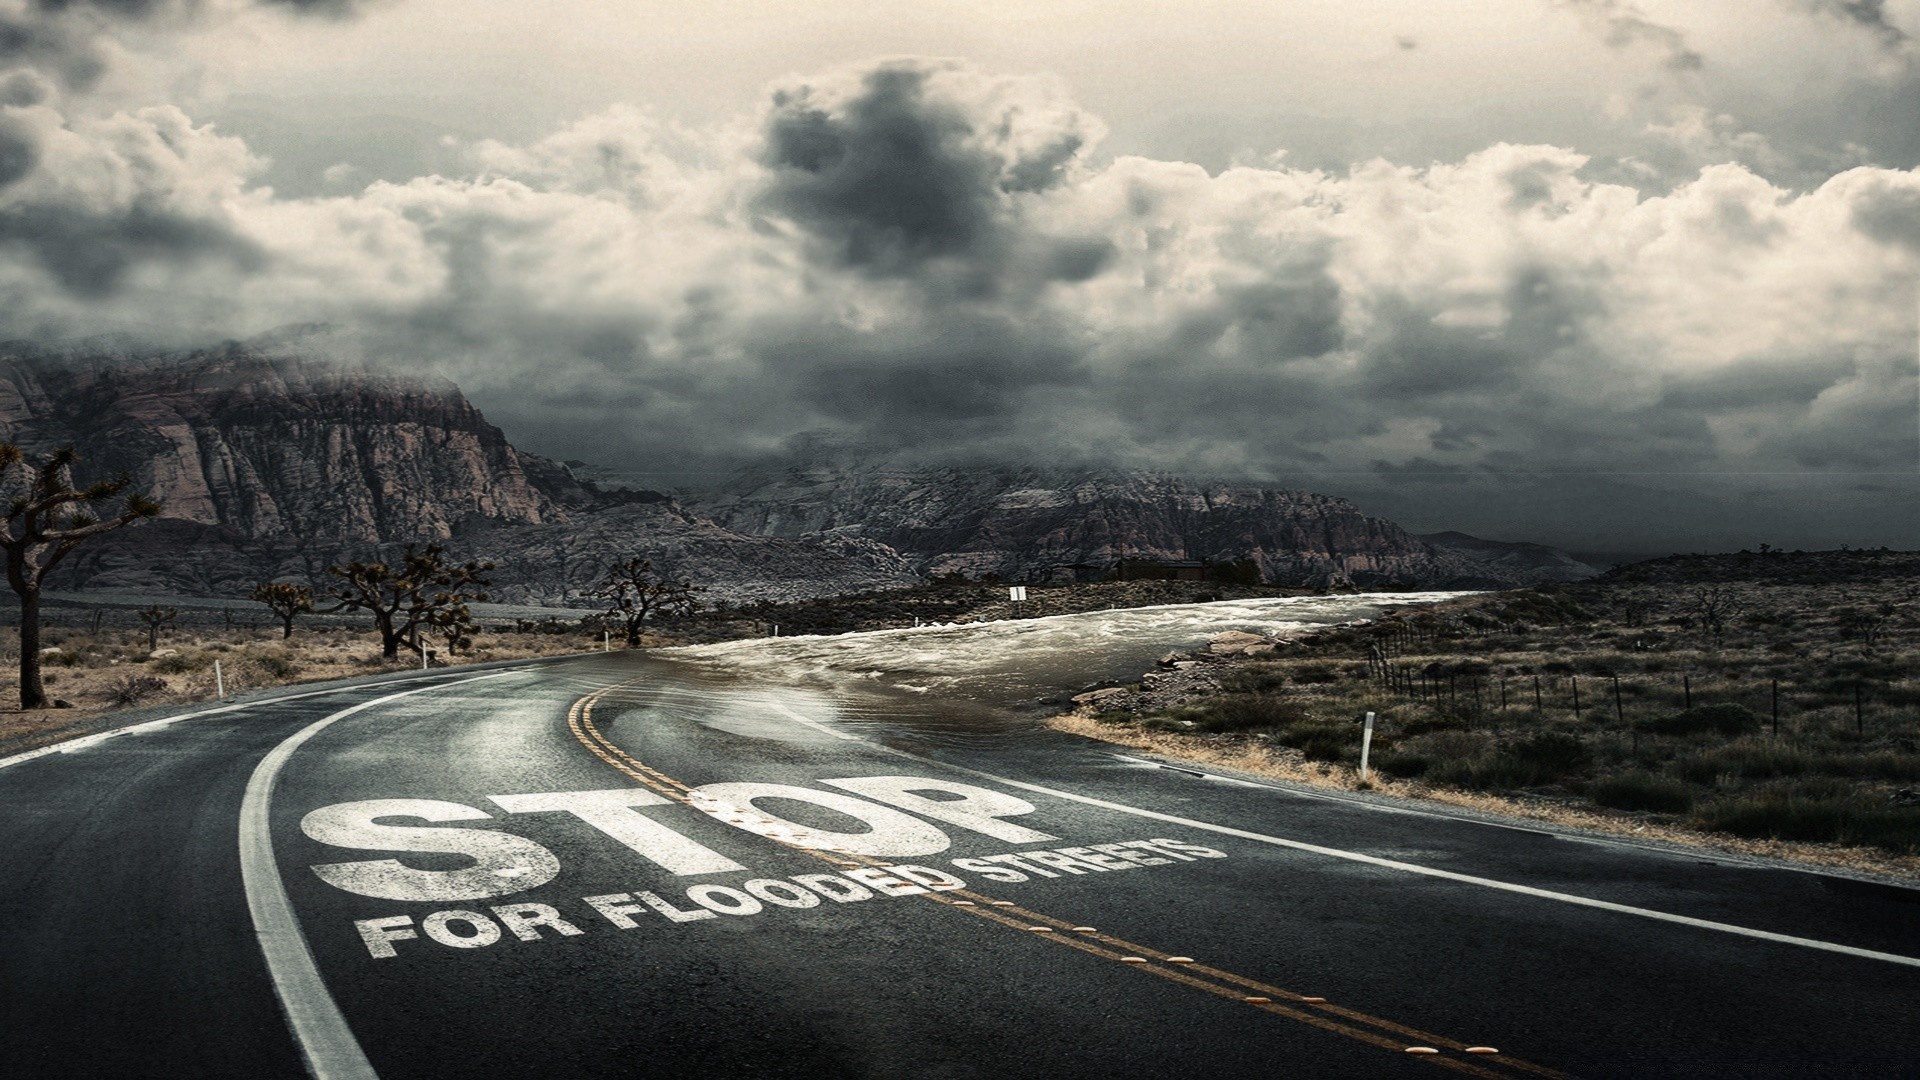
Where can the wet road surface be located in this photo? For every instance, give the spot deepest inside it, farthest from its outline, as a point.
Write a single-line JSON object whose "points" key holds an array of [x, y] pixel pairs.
{"points": [[629, 865]]}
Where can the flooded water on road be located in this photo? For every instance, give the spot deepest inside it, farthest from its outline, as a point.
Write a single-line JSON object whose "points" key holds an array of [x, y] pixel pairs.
{"points": [[962, 683]]}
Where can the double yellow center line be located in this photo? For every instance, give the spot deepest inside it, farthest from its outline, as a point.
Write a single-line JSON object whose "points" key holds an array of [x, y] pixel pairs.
{"points": [[1314, 1011]]}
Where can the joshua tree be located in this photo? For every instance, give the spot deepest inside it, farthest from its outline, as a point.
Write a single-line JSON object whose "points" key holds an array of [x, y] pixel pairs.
{"points": [[420, 592], [284, 599], [454, 624], [47, 518], [156, 617], [634, 593]]}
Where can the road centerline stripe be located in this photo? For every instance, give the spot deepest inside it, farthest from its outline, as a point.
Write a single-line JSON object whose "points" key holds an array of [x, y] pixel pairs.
{"points": [[1217, 983], [1389, 864], [326, 1043]]}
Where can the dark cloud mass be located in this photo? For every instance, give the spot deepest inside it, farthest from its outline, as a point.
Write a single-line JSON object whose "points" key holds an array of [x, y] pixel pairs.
{"points": [[892, 174], [18, 152], [919, 257], [64, 39], [1870, 15], [90, 255], [22, 89], [889, 180]]}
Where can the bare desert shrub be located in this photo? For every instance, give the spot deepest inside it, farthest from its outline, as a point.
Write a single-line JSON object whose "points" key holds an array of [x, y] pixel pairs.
{"points": [[1323, 740], [131, 690], [1496, 771], [1256, 678], [179, 663], [1724, 718], [1405, 764], [276, 665], [1640, 790], [1744, 760], [1821, 810], [1248, 712], [1552, 754]]}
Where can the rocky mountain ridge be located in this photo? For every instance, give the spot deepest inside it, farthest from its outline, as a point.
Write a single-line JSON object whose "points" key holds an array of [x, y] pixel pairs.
{"points": [[279, 446], [271, 464], [1033, 524], [1524, 563]]}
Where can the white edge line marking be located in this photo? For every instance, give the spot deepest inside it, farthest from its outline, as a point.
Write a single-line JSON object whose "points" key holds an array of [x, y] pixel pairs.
{"points": [[1344, 800], [327, 1044], [84, 741], [1392, 864], [1488, 883], [1707, 856]]}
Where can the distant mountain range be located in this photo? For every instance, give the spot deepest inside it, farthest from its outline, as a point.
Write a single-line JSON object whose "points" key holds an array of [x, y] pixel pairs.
{"points": [[1032, 524], [273, 465], [1530, 563]]}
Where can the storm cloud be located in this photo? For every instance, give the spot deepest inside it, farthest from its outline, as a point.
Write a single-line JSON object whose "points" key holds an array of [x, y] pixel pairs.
{"points": [[922, 258]]}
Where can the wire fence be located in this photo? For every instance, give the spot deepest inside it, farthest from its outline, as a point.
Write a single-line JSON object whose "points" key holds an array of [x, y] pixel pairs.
{"points": [[1476, 689]]}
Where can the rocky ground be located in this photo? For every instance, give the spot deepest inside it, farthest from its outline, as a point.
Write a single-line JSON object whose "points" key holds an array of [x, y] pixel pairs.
{"points": [[1184, 678]]}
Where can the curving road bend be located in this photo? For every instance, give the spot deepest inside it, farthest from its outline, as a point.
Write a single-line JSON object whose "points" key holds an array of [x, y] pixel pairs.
{"points": [[631, 866]]}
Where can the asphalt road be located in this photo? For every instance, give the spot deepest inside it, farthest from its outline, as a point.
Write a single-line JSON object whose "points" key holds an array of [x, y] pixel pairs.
{"points": [[616, 866]]}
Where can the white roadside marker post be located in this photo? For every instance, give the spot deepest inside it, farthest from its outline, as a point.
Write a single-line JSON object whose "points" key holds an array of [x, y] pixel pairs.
{"points": [[423, 658], [219, 682], [1366, 746], [606, 641]]}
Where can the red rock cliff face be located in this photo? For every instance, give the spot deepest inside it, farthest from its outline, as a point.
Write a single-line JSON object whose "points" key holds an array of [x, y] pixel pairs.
{"points": [[273, 447]]}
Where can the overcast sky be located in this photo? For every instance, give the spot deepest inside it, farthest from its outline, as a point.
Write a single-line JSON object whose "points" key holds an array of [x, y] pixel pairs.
{"points": [[1612, 275]]}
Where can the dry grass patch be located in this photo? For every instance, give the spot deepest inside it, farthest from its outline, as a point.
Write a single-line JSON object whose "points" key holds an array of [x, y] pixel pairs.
{"points": [[102, 671], [1778, 719], [1260, 758]]}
